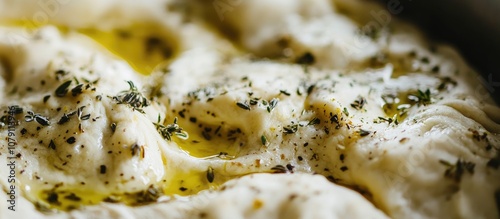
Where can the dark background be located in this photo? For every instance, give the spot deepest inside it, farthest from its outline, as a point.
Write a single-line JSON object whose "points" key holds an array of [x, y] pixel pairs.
{"points": [[472, 26]]}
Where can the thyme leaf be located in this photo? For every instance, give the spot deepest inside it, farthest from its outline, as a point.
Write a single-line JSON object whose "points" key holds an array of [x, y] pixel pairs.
{"points": [[285, 92], [263, 139], [279, 169], [31, 116], [455, 171], [421, 97], [272, 104], [171, 129], [363, 132], [210, 174], [290, 129], [62, 90], [132, 97], [244, 105], [77, 90], [358, 103], [314, 121]]}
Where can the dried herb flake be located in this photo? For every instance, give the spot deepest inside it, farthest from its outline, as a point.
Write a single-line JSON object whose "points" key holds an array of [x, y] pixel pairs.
{"points": [[62, 90], [244, 105], [210, 175]]}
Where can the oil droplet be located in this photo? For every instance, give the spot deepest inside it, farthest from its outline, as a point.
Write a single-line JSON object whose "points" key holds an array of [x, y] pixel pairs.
{"points": [[143, 46], [67, 199], [396, 105], [186, 183], [209, 141]]}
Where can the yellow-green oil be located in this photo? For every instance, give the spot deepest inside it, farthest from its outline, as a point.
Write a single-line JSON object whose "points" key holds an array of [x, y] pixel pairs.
{"points": [[144, 46]]}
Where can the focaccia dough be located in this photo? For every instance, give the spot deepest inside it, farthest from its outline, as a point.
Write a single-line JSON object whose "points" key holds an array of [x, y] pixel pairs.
{"points": [[353, 122]]}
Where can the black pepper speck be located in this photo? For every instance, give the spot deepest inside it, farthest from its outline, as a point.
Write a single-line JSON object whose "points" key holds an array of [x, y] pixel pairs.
{"points": [[71, 140]]}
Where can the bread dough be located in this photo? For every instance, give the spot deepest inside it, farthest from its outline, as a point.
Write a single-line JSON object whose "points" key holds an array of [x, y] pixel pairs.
{"points": [[305, 90]]}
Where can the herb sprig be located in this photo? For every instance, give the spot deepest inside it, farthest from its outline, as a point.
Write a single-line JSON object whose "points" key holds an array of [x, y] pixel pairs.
{"points": [[31, 116], [171, 129], [455, 171], [358, 103], [421, 97], [132, 97]]}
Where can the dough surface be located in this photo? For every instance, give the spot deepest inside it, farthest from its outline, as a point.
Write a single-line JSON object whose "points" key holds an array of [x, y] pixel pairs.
{"points": [[293, 109]]}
